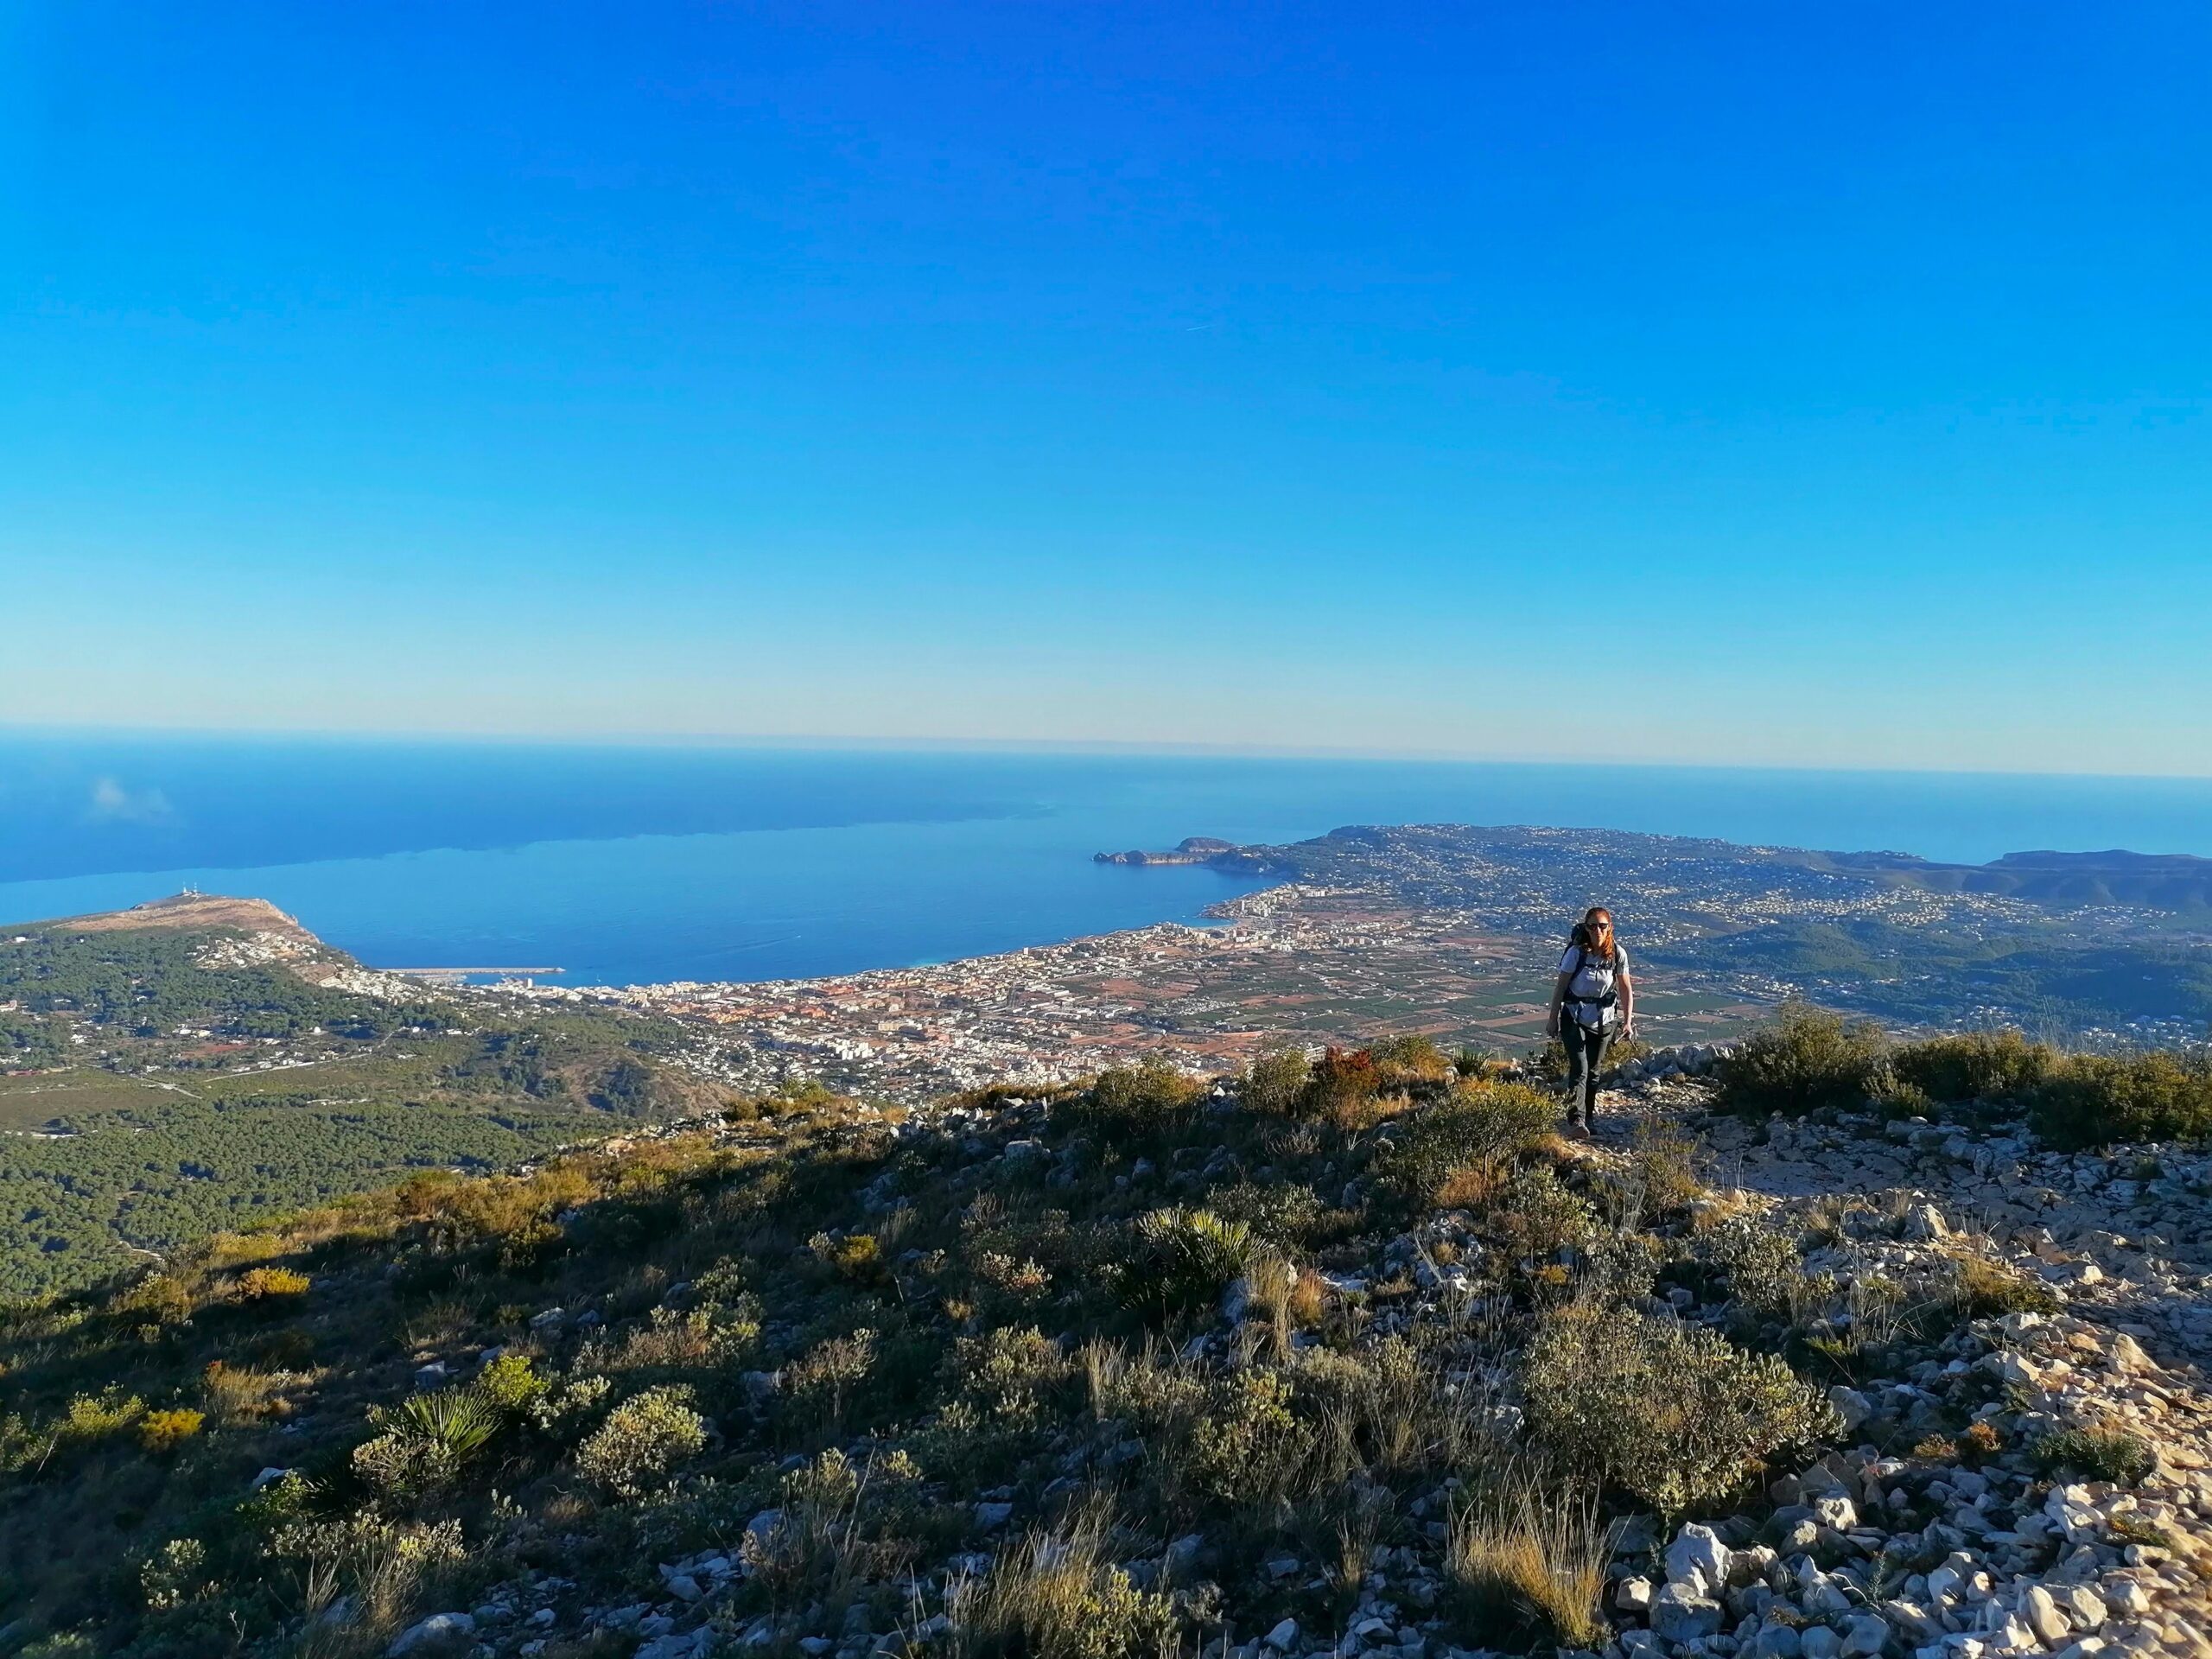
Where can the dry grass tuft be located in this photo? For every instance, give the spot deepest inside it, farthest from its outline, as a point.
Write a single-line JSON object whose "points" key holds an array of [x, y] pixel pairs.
{"points": [[1532, 1558], [1056, 1595]]}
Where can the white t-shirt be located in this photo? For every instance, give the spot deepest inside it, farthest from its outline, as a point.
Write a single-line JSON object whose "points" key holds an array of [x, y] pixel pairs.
{"points": [[1592, 981]]}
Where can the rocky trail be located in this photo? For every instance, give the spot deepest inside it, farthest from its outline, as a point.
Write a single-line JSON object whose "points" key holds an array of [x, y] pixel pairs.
{"points": [[1965, 1546]]}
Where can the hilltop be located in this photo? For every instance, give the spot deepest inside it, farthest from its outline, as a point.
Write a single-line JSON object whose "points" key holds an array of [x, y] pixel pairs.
{"points": [[189, 910], [183, 1066], [1830, 1347]]}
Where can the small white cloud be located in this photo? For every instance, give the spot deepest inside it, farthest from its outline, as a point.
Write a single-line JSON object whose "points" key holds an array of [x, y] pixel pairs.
{"points": [[112, 803]]}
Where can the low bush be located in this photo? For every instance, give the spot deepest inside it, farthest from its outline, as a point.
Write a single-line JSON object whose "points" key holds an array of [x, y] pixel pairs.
{"points": [[1973, 1066], [1406, 1062], [1009, 1373], [2095, 1100], [161, 1432], [511, 1385], [1765, 1271], [1344, 1087], [1672, 1413], [829, 1374], [1247, 1440], [101, 1416], [1275, 1081], [174, 1574], [1481, 1126], [1144, 1099], [1282, 1213], [2096, 1453], [1537, 1217], [1808, 1058], [641, 1442], [270, 1284]]}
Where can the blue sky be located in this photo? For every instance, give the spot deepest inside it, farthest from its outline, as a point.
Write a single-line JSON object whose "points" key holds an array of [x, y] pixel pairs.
{"points": [[1727, 383]]}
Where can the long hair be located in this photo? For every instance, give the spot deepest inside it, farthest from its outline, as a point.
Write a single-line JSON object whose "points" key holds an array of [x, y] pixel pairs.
{"points": [[1594, 932]]}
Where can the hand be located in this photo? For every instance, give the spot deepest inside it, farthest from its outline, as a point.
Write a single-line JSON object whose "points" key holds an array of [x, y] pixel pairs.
{"points": [[1552, 1029], [1628, 1031]]}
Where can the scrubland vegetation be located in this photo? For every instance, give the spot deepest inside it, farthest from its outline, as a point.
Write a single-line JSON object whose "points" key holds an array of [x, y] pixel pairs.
{"points": [[1099, 1375], [1808, 1059]]}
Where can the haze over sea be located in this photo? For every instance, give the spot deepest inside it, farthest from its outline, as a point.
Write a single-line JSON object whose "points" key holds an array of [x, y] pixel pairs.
{"points": [[623, 865]]}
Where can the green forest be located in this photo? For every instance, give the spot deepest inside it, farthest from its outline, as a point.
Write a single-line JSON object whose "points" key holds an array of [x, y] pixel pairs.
{"points": [[143, 983], [150, 1100], [74, 1210]]}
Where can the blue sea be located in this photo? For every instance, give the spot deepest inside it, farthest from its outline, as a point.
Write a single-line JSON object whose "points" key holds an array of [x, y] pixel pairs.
{"points": [[626, 865]]}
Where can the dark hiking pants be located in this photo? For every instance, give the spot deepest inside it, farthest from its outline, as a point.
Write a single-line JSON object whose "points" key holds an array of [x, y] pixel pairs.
{"points": [[1585, 1058]]}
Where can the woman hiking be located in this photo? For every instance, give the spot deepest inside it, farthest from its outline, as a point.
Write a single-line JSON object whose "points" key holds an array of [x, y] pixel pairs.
{"points": [[1593, 1002]]}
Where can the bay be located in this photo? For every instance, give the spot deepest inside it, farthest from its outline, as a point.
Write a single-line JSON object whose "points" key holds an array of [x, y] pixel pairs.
{"points": [[630, 864]]}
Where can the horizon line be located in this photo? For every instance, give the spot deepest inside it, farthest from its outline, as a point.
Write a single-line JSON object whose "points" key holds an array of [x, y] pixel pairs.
{"points": [[1165, 749]]}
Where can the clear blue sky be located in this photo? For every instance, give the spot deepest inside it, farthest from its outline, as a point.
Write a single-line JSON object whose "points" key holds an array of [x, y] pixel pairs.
{"points": [[1821, 385]]}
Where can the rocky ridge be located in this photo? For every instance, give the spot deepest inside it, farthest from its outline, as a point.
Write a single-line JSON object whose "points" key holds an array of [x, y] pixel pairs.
{"points": [[1908, 1541]]}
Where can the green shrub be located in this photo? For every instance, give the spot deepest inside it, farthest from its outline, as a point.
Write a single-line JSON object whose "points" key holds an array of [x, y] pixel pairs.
{"points": [[1245, 1442], [511, 1385], [1807, 1059], [174, 1574], [1008, 1372], [1282, 1213], [1402, 1062], [1537, 1218], [1672, 1413], [829, 1372], [93, 1417], [1973, 1066], [425, 1442], [1183, 1260], [1482, 1125], [2096, 1453], [1618, 1266], [1766, 1270], [1147, 1098], [1275, 1081], [2094, 1100], [641, 1441]]}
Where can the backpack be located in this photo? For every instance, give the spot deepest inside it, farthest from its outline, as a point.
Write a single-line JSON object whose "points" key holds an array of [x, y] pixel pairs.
{"points": [[1590, 991]]}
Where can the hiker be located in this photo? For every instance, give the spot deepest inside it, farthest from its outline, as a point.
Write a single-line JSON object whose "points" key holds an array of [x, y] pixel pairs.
{"points": [[1593, 1002]]}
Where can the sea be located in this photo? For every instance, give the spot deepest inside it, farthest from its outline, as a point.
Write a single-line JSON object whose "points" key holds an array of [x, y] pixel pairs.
{"points": [[633, 864]]}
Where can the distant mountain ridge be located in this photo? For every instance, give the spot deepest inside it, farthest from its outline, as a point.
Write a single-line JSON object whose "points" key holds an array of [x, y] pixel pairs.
{"points": [[2178, 882]]}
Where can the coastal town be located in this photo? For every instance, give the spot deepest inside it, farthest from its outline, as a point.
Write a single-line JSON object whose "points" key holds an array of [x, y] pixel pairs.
{"points": [[1292, 965], [1451, 932]]}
